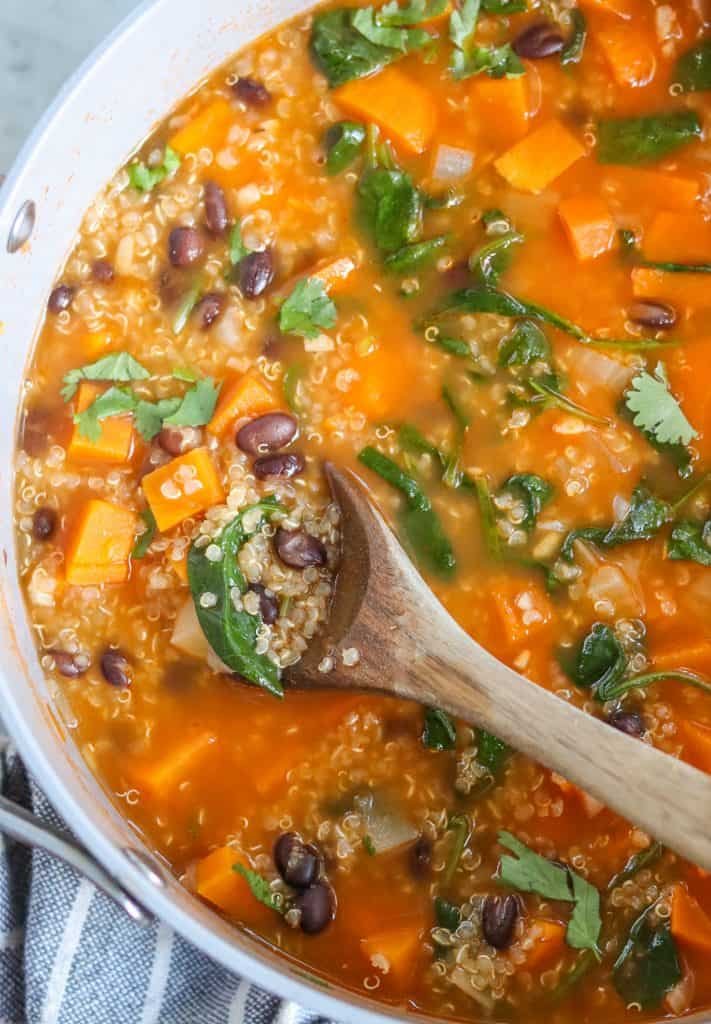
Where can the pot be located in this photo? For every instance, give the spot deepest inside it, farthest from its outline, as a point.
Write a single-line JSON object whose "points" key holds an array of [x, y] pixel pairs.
{"points": [[96, 122]]}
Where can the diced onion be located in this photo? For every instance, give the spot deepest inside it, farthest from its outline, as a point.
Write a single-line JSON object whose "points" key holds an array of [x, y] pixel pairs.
{"points": [[188, 636], [452, 163], [594, 370]]}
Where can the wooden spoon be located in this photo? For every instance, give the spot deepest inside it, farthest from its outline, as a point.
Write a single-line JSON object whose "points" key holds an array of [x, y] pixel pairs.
{"points": [[409, 646]]}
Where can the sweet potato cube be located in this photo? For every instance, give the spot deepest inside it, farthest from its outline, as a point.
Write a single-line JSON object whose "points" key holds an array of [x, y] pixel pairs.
{"points": [[523, 610], [629, 54], [183, 487], [690, 924], [116, 441], [549, 943], [395, 950], [678, 237], [541, 157], [696, 738], [681, 290], [502, 107], [219, 884], [333, 274], [100, 544], [208, 129], [244, 396], [164, 775], [403, 108], [589, 226]]}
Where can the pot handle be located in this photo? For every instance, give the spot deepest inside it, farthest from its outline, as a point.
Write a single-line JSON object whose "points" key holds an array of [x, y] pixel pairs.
{"points": [[21, 825]]}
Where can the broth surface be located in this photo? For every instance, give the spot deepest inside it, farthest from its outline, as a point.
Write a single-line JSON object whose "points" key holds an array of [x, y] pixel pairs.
{"points": [[463, 276]]}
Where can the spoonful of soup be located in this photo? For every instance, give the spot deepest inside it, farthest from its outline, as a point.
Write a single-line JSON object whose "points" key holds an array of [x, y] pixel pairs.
{"points": [[388, 633]]}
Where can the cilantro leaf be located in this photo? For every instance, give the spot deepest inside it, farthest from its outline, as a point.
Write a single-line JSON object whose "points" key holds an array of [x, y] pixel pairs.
{"points": [[462, 22], [145, 178], [496, 61], [690, 542], [117, 366], [196, 406], [308, 309], [529, 872], [656, 409], [186, 374], [364, 21], [237, 249], [150, 415], [260, 888], [144, 541], [113, 402], [440, 732]]}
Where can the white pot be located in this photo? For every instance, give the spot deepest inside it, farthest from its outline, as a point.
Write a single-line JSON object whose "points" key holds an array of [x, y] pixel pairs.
{"points": [[109, 106]]}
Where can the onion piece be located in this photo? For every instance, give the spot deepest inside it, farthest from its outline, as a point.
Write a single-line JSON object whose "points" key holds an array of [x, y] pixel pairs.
{"points": [[452, 163], [187, 635], [387, 828]]}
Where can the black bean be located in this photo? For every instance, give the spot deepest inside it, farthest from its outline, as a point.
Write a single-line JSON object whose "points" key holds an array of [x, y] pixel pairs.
{"points": [[185, 246], [498, 919], [657, 315], [103, 271], [210, 308], [60, 298], [318, 907], [286, 464], [251, 92], [115, 668], [296, 861], [298, 549], [178, 440], [256, 273], [35, 430], [44, 523], [70, 665], [421, 857], [268, 604], [630, 722], [539, 40], [267, 433], [216, 216]]}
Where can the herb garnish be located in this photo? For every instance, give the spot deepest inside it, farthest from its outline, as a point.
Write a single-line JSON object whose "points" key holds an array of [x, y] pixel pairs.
{"points": [[656, 410], [572, 52], [117, 367], [144, 541], [113, 402], [260, 888], [690, 542], [440, 732], [308, 309], [529, 872], [145, 178]]}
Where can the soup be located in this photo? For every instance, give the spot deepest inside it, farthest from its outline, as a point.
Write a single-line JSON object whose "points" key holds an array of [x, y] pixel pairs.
{"points": [[463, 253]]}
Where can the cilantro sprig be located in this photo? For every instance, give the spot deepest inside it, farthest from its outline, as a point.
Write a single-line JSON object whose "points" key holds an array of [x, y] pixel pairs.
{"points": [[656, 410], [117, 367], [260, 888], [308, 310], [144, 178]]}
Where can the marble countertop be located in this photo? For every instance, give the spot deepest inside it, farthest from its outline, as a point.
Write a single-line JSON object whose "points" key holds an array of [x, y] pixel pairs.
{"points": [[41, 43]]}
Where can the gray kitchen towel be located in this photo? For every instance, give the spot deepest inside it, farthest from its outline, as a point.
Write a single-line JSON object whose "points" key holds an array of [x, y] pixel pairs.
{"points": [[68, 955]]}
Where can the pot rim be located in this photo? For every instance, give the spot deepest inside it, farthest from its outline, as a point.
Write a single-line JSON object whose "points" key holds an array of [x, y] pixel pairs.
{"points": [[68, 803]]}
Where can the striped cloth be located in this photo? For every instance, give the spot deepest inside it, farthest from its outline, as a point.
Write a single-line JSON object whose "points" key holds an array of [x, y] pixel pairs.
{"points": [[68, 955]]}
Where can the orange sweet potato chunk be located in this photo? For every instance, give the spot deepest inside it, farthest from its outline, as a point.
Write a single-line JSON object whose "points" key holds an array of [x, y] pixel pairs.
{"points": [[541, 157], [696, 738], [630, 55], [100, 544], [690, 924], [244, 396], [502, 107], [163, 775], [648, 186], [219, 884], [523, 610], [116, 441], [678, 237], [681, 290], [183, 487], [208, 129], [396, 949], [404, 110], [549, 943], [589, 226]]}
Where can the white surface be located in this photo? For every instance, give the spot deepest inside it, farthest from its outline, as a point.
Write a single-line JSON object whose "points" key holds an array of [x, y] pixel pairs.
{"points": [[41, 42]]}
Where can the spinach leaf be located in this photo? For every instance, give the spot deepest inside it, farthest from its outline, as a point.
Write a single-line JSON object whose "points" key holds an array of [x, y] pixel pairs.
{"points": [[231, 634], [656, 410], [644, 518], [118, 367], [419, 521], [648, 966], [369, 846], [460, 827], [113, 402], [490, 261], [415, 256], [529, 872], [491, 752], [504, 7], [415, 12], [598, 660], [690, 542], [447, 915], [390, 208], [308, 309], [343, 142], [634, 140], [525, 345], [440, 732], [533, 491], [572, 52], [693, 68], [144, 541], [197, 405], [144, 178], [237, 250], [638, 861], [260, 888], [487, 511], [292, 379], [365, 20], [341, 52]]}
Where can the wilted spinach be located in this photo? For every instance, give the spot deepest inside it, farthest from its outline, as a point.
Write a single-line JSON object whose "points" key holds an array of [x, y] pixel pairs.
{"points": [[648, 966]]}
